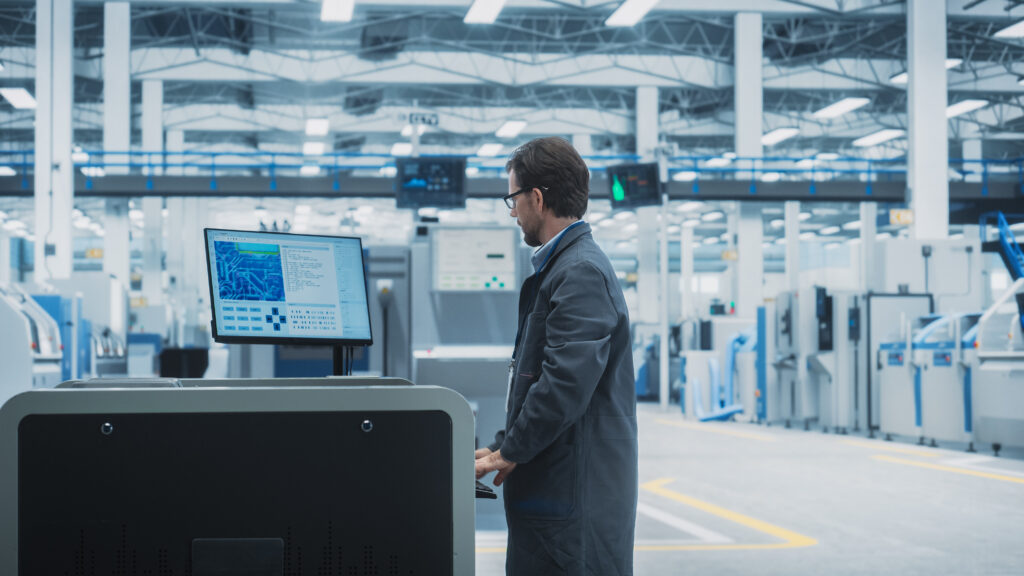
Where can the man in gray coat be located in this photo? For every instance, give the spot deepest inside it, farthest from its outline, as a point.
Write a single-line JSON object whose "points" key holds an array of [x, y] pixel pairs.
{"points": [[568, 454]]}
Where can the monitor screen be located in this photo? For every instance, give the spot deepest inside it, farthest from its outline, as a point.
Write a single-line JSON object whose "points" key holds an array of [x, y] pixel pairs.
{"points": [[634, 185], [471, 259], [430, 182], [272, 288]]}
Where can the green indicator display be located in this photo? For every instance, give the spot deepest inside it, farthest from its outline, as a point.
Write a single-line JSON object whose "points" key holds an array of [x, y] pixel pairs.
{"points": [[618, 192]]}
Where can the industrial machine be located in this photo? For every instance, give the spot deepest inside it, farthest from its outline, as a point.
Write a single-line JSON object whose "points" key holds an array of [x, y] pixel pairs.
{"points": [[834, 367], [944, 359], [790, 396], [998, 383], [720, 371], [30, 344], [105, 306], [75, 333], [237, 477]]}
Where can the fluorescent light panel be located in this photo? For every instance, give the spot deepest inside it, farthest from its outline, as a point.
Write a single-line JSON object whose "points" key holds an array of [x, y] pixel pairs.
{"points": [[778, 135], [630, 12], [19, 98], [309, 170], [965, 106], [844, 106], [1012, 31], [690, 206], [313, 148], [684, 176], [317, 126], [510, 129], [401, 149], [770, 177], [717, 162], [484, 11], [903, 77], [337, 10], [489, 150], [878, 137], [7, 171], [407, 131], [829, 230]]}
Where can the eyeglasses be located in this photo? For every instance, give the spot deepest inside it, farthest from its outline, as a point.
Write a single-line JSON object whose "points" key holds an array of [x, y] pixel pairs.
{"points": [[510, 199]]}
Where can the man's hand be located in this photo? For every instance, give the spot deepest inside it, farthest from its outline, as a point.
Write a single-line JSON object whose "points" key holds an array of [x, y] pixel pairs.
{"points": [[481, 453], [494, 462]]}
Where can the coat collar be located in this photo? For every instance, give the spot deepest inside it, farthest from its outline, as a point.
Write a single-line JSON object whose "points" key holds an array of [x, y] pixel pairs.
{"points": [[559, 243]]}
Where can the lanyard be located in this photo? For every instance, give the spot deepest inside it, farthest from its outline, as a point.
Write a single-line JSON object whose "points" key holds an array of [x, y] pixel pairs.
{"points": [[536, 283]]}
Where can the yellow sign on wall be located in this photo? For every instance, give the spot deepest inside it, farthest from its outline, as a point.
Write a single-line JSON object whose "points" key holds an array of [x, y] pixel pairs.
{"points": [[730, 255], [901, 217], [95, 253]]}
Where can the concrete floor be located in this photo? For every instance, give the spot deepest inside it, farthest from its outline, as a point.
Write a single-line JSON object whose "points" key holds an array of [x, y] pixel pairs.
{"points": [[729, 498]]}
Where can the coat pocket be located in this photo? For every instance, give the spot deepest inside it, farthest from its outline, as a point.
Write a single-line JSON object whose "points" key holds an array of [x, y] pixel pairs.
{"points": [[545, 487]]}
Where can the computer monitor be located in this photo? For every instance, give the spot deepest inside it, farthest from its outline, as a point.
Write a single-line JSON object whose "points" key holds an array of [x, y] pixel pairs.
{"points": [[430, 183], [274, 288], [634, 185]]}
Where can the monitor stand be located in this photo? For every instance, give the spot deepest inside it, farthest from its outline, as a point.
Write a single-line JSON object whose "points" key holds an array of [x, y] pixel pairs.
{"points": [[342, 357]]}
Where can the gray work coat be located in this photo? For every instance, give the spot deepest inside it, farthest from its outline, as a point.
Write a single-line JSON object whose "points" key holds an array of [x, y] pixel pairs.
{"points": [[571, 424]]}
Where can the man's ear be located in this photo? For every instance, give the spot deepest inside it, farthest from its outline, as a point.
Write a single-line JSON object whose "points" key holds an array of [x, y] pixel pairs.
{"points": [[540, 199]]}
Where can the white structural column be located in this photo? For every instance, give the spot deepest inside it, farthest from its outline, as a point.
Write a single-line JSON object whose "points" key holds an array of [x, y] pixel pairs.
{"points": [[117, 83], [117, 240], [972, 151], [686, 276], [176, 219], [792, 231], [868, 230], [152, 207], [117, 133], [748, 90], [748, 271], [54, 170], [928, 155], [750, 265], [647, 218]]}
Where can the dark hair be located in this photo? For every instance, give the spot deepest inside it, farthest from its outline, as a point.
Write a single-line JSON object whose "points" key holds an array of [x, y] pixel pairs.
{"points": [[554, 164]]}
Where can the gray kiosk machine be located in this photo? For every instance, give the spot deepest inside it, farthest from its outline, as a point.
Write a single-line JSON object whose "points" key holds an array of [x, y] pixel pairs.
{"points": [[255, 477]]}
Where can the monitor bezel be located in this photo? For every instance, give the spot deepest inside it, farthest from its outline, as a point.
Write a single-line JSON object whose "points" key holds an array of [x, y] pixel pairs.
{"points": [[633, 204], [399, 162], [224, 339]]}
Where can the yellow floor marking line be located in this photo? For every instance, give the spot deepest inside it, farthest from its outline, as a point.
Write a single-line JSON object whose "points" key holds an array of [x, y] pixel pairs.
{"points": [[789, 538], [942, 468], [716, 429], [891, 448]]}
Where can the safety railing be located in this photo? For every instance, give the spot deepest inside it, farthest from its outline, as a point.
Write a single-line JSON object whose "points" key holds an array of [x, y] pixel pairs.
{"points": [[815, 169]]}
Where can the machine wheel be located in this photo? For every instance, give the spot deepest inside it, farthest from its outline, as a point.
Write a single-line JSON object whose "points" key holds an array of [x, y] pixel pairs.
{"points": [[996, 447]]}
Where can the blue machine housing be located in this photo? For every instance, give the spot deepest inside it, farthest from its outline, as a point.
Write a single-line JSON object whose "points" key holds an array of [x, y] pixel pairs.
{"points": [[60, 309]]}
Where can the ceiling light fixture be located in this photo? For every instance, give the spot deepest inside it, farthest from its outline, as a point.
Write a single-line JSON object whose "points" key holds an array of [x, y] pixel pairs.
{"points": [[827, 156], [778, 135], [805, 216], [712, 216], [484, 11], [770, 177], [829, 230], [684, 176], [19, 98], [852, 225], [689, 206], [401, 149], [510, 129], [313, 149], [7, 171], [691, 223], [489, 150], [630, 12], [337, 10], [878, 137], [717, 162], [420, 129], [964, 107], [309, 170], [903, 77], [844, 106], [317, 126]]}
